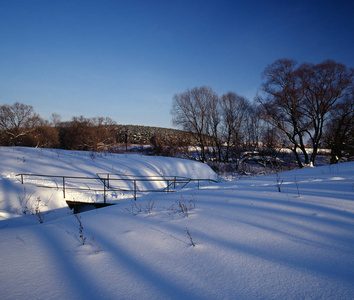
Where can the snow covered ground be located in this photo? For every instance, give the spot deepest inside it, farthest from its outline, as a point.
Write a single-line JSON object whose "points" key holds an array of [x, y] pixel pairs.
{"points": [[251, 240]]}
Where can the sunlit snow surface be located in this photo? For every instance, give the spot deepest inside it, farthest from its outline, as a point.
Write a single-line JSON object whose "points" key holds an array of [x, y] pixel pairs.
{"points": [[251, 241]]}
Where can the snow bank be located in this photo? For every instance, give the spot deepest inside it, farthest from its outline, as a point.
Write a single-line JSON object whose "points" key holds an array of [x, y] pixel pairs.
{"points": [[19, 199]]}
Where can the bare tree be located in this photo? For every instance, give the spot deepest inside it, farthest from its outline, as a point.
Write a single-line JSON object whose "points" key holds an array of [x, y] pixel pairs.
{"points": [[17, 121], [283, 104], [90, 134], [234, 108], [102, 132], [324, 85], [299, 100], [214, 128], [254, 125], [56, 119], [44, 136], [191, 111], [339, 130]]}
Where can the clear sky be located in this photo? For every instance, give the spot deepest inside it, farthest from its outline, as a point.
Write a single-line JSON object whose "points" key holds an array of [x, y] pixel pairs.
{"points": [[126, 59]]}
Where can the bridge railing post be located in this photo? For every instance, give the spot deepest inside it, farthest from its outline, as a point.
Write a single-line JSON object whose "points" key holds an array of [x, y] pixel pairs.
{"points": [[135, 190], [104, 190]]}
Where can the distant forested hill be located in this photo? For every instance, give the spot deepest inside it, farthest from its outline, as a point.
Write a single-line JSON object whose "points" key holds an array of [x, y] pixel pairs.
{"points": [[135, 134]]}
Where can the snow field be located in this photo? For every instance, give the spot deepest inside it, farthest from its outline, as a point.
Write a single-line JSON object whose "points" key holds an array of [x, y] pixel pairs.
{"points": [[251, 241]]}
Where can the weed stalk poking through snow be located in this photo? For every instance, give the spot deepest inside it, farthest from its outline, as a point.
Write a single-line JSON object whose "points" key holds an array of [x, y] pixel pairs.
{"points": [[150, 206], [184, 206], [92, 242], [38, 210], [190, 236], [82, 237], [279, 182], [138, 208], [95, 246], [135, 209], [24, 201]]}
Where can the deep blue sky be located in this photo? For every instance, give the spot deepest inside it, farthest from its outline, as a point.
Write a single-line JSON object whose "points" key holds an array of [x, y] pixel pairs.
{"points": [[126, 59]]}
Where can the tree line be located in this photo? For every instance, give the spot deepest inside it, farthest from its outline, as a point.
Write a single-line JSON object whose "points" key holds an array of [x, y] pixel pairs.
{"points": [[302, 108], [299, 107], [20, 125]]}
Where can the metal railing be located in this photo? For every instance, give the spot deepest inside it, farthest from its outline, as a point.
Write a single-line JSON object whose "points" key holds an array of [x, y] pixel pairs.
{"points": [[113, 182]]}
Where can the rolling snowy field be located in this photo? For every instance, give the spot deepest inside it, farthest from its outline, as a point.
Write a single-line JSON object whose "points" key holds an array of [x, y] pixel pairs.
{"points": [[284, 236]]}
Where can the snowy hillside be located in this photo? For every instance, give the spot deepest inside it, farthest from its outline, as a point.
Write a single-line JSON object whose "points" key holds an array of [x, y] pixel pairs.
{"points": [[16, 199], [285, 236]]}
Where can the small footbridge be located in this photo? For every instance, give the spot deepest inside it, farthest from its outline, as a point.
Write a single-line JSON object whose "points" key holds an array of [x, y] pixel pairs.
{"points": [[103, 184]]}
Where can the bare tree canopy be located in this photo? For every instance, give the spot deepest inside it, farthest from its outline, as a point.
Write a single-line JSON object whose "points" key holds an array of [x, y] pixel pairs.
{"points": [[298, 101], [17, 121], [339, 130], [233, 110], [87, 133], [192, 110]]}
